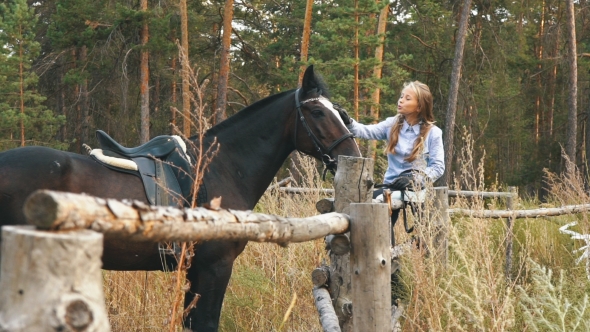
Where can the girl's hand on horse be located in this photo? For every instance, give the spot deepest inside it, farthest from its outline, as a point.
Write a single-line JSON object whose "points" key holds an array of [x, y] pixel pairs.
{"points": [[343, 114]]}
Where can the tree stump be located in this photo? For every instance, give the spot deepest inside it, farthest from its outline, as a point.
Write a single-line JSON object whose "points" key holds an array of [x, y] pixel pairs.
{"points": [[51, 281]]}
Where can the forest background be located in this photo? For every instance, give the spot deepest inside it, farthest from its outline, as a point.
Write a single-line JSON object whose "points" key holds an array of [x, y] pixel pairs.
{"points": [[69, 67]]}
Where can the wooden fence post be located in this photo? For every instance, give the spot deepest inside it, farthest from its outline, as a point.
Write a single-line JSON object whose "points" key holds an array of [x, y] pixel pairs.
{"points": [[510, 204], [51, 281], [440, 219], [353, 183], [370, 260]]}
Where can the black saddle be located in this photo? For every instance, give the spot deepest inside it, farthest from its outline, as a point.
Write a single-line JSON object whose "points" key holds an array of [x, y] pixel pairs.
{"points": [[163, 166], [157, 147]]}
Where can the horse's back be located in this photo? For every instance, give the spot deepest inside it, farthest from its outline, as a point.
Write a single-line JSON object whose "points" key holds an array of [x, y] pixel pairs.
{"points": [[24, 170]]}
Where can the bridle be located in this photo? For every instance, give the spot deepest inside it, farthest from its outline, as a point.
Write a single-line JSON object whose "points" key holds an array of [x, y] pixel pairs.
{"points": [[329, 162]]}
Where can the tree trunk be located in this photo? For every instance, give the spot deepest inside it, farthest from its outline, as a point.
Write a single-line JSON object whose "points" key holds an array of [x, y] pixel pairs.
{"points": [[84, 107], [538, 108], [173, 108], [377, 70], [454, 91], [228, 14], [295, 159], [186, 100], [22, 91], [305, 39], [144, 134], [572, 99]]}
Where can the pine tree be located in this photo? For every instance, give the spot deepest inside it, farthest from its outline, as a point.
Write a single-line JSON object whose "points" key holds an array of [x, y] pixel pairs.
{"points": [[23, 117]]}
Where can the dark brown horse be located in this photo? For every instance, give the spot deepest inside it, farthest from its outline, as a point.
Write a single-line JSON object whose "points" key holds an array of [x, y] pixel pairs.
{"points": [[254, 143]]}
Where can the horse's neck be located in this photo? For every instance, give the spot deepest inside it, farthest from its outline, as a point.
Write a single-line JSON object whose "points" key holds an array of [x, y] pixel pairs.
{"points": [[250, 155]]}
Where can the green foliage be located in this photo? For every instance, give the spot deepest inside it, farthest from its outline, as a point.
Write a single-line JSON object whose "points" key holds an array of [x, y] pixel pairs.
{"points": [[512, 91], [547, 306], [23, 117]]}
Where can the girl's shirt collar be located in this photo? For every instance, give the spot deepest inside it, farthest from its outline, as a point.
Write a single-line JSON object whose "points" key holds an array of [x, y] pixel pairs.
{"points": [[415, 128]]}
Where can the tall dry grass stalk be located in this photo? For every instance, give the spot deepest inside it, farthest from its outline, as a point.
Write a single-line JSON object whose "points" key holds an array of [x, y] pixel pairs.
{"points": [[270, 289], [176, 282], [470, 292], [267, 277]]}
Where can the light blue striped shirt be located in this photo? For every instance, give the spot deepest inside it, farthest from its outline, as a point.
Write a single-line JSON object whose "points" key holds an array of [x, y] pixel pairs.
{"points": [[433, 161]]}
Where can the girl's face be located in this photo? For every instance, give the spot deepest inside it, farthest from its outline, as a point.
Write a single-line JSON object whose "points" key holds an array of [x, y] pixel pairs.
{"points": [[407, 105]]}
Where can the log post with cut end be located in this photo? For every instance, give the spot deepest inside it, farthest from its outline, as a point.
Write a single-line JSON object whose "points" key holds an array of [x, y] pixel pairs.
{"points": [[51, 281], [441, 220], [353, 183], [510, 203], [370, 260]]}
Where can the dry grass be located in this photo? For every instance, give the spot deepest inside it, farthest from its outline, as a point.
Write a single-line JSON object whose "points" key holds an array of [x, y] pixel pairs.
{"points": [[546, 290], [266, 280]]}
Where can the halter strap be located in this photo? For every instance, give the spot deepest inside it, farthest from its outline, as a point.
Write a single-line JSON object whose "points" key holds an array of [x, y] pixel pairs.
{"points": [[329, 163]]}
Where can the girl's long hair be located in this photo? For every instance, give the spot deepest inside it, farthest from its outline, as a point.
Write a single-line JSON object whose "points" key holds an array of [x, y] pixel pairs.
{"points": [[426, 116]]}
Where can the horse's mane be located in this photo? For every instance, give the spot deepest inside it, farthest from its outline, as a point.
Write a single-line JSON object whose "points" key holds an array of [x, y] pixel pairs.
{"points": [[245, 112], [321, 88]]}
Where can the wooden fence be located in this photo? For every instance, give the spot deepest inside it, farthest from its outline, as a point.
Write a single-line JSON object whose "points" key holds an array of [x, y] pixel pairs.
{"points": [[52, 281]]}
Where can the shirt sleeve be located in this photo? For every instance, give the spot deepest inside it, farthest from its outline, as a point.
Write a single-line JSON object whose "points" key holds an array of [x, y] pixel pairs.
{"points": [[436, 161], [376, 131]]}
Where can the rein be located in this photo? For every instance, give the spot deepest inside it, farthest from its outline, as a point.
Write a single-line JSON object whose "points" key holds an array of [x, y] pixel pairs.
{"points": [[329, 162]]}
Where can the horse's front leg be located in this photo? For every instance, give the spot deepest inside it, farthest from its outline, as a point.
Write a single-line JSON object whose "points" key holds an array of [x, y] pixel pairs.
{"points": [[209, 276]]}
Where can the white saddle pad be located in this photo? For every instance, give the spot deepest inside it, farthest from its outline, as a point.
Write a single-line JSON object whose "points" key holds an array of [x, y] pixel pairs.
{"points": [[126, 163], [409, 196]]}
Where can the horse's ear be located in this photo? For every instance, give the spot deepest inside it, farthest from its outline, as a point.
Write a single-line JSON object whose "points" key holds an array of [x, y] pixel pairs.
{"points": [[309, 80]]}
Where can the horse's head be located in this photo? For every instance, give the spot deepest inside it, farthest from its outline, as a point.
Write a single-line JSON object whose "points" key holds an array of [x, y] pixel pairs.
{"points": [[319, 130]]}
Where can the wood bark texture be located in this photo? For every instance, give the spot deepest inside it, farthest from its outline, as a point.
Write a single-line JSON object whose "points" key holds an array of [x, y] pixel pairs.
{"points": [[325, 205], [480, 194], [84, 100], [339, 244], [326, 312], [353, 183], [518, 214], [454, 90], [320, 276], [440, 218], [371, 267], [510, 203], [144, 134], [305, 38], [140, 222], [186, 99], [51, 281], [377, 69], [572, 101], [228, 16]]}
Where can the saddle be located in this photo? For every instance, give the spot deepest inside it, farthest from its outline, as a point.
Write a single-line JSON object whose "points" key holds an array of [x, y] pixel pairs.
{"points": [[162, 164]]}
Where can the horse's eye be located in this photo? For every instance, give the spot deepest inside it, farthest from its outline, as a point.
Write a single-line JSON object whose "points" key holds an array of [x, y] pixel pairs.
{"points": [[317, 113]]}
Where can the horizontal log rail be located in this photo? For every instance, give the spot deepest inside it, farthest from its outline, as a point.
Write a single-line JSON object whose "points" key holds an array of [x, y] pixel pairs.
{"points": [[452, 193], [294, 190], [519, 214], [138, 221], [480, 194]]}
